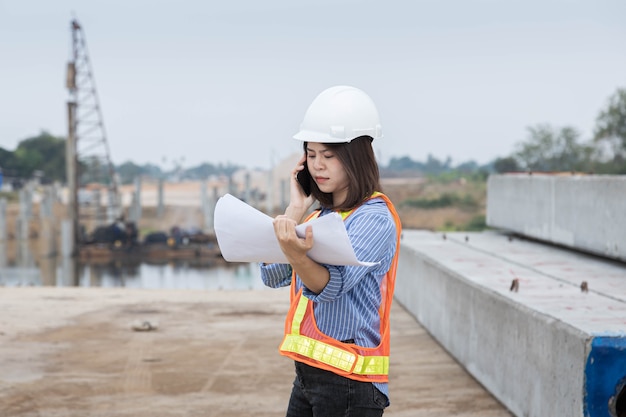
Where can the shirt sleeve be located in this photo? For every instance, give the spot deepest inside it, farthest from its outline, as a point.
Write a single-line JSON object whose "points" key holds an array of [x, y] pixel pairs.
{"points": [[372, 233], [276, 275]]}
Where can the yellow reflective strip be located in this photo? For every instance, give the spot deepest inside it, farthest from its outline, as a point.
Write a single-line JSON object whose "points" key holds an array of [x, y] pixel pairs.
{"points": [[372, 365], [336, 357], [298, 315], [320, 351]]}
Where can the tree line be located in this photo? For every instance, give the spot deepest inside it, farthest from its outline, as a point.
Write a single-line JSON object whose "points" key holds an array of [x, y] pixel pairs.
{"points": [[546, 148], [549, 149]]}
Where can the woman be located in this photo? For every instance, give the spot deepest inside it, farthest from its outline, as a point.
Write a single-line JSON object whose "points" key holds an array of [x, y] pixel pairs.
{"points": [[337, 329]]}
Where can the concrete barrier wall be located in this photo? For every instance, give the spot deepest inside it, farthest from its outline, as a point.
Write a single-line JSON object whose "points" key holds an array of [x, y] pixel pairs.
{"points": [[585, 212], [532, 349]]}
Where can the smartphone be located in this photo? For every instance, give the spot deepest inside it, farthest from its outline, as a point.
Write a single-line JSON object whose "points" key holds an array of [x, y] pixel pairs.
{"points": [[305, 180]]}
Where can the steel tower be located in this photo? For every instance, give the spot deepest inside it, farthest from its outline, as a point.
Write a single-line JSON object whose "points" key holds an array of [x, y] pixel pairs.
{"points": [[87, 155]]}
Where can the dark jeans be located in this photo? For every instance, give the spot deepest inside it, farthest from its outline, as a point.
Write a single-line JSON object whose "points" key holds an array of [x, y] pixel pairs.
{"points": [[320, 393]]}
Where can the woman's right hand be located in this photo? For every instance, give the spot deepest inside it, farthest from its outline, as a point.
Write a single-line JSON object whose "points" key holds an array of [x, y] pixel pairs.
{"points": [[313, 275], [294, 247]]}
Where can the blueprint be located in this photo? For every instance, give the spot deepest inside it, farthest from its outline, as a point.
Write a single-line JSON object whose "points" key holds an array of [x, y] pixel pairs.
{"points": [[245, 234]]}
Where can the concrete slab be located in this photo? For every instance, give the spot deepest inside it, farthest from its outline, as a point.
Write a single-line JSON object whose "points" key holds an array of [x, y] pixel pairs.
{"points": [[578, 211], [539, 349]]}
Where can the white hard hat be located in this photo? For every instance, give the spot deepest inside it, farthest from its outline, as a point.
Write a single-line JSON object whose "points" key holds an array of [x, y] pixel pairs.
{"points": [[340, 114]]}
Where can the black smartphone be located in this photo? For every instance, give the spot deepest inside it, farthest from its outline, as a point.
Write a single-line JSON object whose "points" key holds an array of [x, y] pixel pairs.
{"points": [[305, 180]]}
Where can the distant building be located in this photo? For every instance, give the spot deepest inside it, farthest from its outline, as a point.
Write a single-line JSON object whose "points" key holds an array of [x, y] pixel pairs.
{"points": [[265, 188]]}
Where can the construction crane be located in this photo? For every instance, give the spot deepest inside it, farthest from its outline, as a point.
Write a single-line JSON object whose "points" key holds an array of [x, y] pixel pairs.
{"points": [[87, 151]]}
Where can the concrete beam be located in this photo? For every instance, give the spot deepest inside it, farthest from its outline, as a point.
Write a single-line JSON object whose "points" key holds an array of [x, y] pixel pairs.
{"points": [[547, 349], [584, 212]]}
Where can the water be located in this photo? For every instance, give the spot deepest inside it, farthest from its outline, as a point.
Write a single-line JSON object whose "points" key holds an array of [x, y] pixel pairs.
{"points": [[179, 274]]}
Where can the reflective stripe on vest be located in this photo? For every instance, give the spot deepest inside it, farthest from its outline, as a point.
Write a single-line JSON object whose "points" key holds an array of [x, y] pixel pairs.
{"points": [[319, 350], [336, 357]]}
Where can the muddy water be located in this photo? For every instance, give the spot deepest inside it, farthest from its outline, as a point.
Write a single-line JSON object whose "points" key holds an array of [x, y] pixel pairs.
{"points": [[28, 270]]}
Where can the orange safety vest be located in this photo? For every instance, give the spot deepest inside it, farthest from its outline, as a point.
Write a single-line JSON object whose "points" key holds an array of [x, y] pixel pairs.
{"points": [[304, 342]]}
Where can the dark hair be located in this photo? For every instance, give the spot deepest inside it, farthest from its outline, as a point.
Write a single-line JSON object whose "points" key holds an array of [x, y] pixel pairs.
{"points": [[358, 159]]}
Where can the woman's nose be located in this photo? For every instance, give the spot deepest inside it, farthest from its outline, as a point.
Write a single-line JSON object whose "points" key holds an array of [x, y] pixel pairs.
{"points": [[317, 163]]}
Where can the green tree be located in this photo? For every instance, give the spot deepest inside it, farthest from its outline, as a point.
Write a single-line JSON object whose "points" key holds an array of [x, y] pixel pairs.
{"points": [[508, 164], [128, 171], [403, 163], [611, 122], [205, 170], [434, 166], [44, 153], [8, 163], [549, 149]]}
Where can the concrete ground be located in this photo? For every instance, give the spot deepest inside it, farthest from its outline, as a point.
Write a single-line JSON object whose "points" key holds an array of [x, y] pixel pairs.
{"points": [[72, 352]]}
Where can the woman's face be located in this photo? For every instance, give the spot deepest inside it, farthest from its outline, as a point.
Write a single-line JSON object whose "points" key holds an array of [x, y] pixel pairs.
{"points": [[327, 172]]}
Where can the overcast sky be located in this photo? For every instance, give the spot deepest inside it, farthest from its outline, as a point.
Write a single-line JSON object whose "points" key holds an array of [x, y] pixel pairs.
{"points": [[194, 81]]}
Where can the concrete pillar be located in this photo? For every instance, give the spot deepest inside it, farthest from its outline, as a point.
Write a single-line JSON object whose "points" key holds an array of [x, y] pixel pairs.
{"points": [[112, 206], [3, 254], [26, 201], [47, 241], [160, 204], [254, 199], [71, 172], [137, 199], [204, 206], [231, 186], [25, 210], [21, 228], [3, 219], [269, 199], [133, 212], [24, 255], [209, 211], [246, 191], [3, 232], [47, 237], [46, 203], [99, 213], [284, 194], [67, 238], [204, 198]]}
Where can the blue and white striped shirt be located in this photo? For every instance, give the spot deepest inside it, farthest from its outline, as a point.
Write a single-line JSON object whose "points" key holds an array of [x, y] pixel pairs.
{"points": [[347, 308]]}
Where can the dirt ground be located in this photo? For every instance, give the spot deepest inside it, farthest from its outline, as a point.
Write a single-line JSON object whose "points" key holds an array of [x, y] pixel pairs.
{"points": [[72, 352]]}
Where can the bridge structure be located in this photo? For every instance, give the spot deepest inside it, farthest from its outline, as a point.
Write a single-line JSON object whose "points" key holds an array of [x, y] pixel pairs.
{"points": [[535, 308]]}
